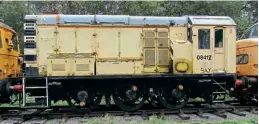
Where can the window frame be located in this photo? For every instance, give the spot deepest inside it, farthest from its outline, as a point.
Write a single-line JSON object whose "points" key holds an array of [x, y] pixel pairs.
{"points": [[199, 48], [14, 37], [237, 58], [34, 58], [218, 47], [248, 32]]}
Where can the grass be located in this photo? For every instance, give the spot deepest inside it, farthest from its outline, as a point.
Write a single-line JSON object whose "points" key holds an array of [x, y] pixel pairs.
{"points": [[109, 120]]}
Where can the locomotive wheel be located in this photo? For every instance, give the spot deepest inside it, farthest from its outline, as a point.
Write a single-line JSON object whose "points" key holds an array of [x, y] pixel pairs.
{"points": [[127, 104], [173, 98], [92, 103]]}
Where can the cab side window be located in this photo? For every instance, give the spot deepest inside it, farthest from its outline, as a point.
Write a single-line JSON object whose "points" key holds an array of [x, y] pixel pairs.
{"points": [[15, 43], [6, 41], [1, 44], [218, 38], [204, 39]]}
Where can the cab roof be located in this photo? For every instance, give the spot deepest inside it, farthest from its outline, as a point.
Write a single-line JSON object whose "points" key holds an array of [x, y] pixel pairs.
{"points": [[211, 20], [7, 27], [53, 19], [247, 42]]}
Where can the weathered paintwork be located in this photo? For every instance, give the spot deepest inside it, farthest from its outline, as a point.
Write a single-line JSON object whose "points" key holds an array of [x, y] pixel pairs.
{"points": [[247, 47], [9, 53], [136, 44], [69, 64], [247, 52]]}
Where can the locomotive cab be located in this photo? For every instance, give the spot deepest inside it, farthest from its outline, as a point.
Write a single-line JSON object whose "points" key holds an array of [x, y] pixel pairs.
{"points": [[10, 64], [213, 48], [211, 45]]}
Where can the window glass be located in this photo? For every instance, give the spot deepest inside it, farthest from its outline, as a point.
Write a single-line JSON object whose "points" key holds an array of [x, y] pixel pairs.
{"points": [[255, 32], [29, 57], [204, 39], [1, 44], [6, 41], [15, 43], [246, 35], [30, 45], [242, 59], [190, 35], [218, 38], [251, 33]]}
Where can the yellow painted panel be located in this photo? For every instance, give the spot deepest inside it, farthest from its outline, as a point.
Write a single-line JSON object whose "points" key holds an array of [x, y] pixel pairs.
{"points": [[45, 45], [59, 67], [163, 60], [82, 66], [138, 67], [114, 67], [219, 62], [178, 33], [149, 60], [66, 40], [149, 50], [107, 42], [130, 42], [85, 40], [230, 54]]}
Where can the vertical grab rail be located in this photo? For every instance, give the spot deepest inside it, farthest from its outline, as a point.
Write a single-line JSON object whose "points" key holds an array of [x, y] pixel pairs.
{"points": [[23, 92], [47, 91]]}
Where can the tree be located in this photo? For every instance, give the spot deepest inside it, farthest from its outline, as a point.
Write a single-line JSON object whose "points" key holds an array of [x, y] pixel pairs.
{"points": [[13, 14]]}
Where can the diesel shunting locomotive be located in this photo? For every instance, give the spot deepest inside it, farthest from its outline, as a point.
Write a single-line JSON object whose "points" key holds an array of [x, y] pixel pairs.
{"points": [[133, 59]]}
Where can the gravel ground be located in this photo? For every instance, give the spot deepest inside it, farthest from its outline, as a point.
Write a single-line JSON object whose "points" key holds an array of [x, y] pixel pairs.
{"points": [[132, 119]]}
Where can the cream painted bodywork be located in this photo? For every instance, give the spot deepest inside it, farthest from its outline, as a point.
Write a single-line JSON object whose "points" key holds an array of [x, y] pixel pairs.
{"points": [[129, 50], [222, 59], [119, 67], [70, 65]]}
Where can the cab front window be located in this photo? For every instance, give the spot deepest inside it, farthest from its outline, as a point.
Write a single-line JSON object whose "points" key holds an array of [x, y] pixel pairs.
{"points": [[242, 59]]}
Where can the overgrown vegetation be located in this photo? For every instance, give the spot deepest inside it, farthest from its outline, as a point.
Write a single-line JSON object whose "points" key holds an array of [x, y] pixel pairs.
{"points": [[243, 12]]}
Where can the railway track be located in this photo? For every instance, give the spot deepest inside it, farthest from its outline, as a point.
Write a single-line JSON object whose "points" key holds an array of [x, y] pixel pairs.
{"points": [[64, 113]]}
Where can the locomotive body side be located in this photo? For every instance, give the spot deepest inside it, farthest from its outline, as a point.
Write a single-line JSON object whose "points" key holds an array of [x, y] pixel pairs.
{"points": [[147, 49], [133, 58]]}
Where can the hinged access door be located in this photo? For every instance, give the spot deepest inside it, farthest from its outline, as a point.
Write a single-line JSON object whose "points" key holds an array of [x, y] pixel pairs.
{"points": [[156, 49], [202, 49], [219, 52]]}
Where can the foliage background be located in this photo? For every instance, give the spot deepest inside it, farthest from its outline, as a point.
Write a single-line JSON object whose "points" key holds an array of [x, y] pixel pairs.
{"points": [[244, 13]]}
